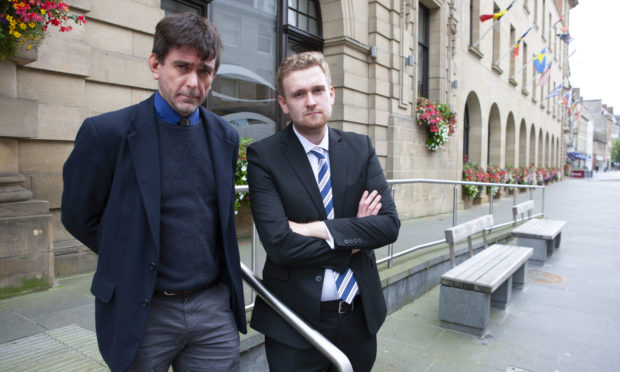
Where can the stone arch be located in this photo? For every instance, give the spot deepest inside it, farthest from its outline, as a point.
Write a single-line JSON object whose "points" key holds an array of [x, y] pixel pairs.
{"points": [[494, 137], [522, 144], [472, 129], [532, 142], [338, 18], [512, 142]]}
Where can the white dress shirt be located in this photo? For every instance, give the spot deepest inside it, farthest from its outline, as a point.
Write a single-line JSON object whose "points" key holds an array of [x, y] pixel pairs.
{"points": [[329, 292]]}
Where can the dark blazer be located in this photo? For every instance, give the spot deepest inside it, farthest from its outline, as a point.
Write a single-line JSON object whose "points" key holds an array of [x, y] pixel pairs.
{"points": [[111, 203], [283, 187]]}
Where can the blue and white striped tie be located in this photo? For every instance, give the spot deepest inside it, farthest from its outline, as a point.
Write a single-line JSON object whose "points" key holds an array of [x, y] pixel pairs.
{"points": [[345, 282]]}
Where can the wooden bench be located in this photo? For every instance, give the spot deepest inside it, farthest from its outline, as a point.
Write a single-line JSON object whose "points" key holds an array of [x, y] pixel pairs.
{"points": [[541, 234], [486, 279]]}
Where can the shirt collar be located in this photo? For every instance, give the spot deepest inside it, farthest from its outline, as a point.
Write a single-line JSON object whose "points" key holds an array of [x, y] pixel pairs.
{"points": [[166, 113], [309, 146]]}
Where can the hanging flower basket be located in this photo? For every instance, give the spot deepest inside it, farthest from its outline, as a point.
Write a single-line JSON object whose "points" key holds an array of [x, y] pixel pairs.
{"points": [[438, 120], [24, 22]]}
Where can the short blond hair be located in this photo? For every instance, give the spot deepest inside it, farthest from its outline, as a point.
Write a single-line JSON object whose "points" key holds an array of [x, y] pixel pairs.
{"points": [[301, 61]]}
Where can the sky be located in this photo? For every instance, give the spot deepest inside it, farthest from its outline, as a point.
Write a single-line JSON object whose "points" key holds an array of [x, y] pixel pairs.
{"points": [[595, 66]]}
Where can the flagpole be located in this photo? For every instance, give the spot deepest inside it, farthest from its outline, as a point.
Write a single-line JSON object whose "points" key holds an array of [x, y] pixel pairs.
{"points": [[526, 63], [495, 21], [511, 48]]}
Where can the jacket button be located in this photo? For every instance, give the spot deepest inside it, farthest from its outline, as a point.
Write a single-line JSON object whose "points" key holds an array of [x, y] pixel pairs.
{"points": [[318, 278], [146, 302], [152, 266]]}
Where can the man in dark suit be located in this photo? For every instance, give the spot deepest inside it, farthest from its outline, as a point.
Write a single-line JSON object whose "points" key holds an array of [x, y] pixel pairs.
{"points": [[321, 205], [150, 189]]}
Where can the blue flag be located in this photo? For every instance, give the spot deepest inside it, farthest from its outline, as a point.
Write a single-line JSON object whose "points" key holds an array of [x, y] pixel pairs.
{"points": [[540, 61]]}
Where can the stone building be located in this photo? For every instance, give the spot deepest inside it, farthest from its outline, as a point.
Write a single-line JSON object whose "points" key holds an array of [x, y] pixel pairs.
{"points": [[383, 54]]}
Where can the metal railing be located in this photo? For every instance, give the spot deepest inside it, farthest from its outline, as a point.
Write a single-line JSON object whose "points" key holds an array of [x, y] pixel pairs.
{"points": [[313, 336], [391, 255]]}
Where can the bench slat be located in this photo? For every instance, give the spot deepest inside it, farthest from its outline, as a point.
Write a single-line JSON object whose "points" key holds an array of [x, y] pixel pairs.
{"points": [[486, 272], [522, 207], [484, 256], [539, 228], [462, 231], [495, 277]]}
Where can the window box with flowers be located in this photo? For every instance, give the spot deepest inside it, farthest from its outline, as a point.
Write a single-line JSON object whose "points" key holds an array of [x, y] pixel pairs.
{"points": [[23, 23], [438, 120], [473, 173]]}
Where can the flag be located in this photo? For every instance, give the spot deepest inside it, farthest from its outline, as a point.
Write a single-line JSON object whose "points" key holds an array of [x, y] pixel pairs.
{"points": [[555, 91], [555, 24], [496, 16], [515, 50], [540, 61], [545, 75], [566, 99], [565, 38]]}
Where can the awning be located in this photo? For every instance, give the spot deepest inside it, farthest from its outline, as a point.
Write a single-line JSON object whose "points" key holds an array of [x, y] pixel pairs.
{"points": [[577, 155]]}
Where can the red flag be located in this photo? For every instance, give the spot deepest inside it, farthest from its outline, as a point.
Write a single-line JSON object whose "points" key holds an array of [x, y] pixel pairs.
{"points": [[486, 17]]}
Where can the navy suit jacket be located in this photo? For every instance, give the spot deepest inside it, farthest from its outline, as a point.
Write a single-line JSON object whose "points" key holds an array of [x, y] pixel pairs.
{"points": [[111, 203], [283, 187]]}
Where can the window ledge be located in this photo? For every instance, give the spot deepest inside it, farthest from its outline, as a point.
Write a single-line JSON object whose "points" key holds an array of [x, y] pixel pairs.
{"points": [[476, 52], [497, 69], [513, 82]]}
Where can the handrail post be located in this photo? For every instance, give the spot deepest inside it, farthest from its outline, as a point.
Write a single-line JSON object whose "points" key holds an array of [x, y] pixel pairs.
{"points": [[254, 253], [391, 245], [454, 203], [491, 201], [543, 201]]}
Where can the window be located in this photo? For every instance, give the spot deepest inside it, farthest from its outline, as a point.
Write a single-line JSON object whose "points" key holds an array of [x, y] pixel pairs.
{"points": [[512, 43], [423, 46], [257, 35], [496, 37], [466, 128]]}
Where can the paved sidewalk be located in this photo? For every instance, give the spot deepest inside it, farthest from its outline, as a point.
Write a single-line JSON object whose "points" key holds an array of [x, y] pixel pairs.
{"points": [[566, 319]]}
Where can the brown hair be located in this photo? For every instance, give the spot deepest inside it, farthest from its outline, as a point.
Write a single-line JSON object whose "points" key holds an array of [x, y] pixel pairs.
{"points": [[177, 30], [301, 61]]}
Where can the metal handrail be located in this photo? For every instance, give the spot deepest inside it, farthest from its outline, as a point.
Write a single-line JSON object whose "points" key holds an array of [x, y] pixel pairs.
{"points": [[315, 338]]}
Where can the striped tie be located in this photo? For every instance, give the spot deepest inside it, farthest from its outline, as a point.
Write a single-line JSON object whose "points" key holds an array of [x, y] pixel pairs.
{"points": [[345, 282]]}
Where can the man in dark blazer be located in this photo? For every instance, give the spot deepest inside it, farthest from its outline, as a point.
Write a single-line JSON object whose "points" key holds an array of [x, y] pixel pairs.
{"points": [[150, 189], [314, 234]]}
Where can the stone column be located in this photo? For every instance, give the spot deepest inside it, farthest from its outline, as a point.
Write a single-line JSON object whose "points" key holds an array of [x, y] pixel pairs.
{"points": [[26, 254]]}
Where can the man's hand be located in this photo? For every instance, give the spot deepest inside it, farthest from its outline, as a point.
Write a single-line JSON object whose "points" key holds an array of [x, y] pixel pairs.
{"points": [[369, 204], [315, 229]]}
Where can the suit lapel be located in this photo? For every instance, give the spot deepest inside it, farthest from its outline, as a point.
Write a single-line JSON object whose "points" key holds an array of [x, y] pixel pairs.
{"points": [[222, 152], [144, 146], [338, 167], [294, 153]]}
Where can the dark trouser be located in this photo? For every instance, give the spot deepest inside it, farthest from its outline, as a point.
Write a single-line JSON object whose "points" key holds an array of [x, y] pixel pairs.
{"points": [[348, 332], [192, 333]]}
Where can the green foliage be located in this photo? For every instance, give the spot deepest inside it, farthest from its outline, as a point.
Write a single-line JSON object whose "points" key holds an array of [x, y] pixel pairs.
{"points": [[241, 173], [615, 152]]}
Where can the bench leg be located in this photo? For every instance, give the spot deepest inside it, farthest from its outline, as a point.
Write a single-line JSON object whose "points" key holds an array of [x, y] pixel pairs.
{"points": [[540, 248], [502, 295], [518, 278], [557, 240], [464, 310]]}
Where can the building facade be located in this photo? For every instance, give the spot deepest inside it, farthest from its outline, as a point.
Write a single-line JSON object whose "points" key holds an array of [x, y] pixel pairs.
{"points": [[383, 55]]}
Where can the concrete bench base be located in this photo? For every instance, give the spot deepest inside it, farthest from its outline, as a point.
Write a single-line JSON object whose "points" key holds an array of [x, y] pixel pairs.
{"points": [[542, 235], [469, 290]]}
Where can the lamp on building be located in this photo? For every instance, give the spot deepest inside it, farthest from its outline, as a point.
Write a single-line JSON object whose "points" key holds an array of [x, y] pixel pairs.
{"points": [[373, 51]]}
